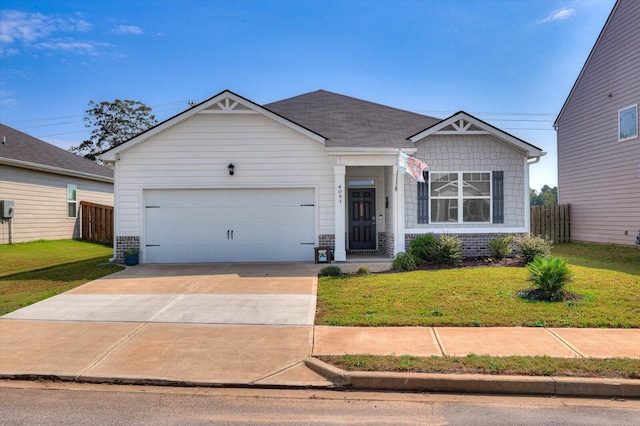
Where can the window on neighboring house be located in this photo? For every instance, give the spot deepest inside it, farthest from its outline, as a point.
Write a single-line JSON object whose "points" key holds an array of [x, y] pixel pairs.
{"points": [[628, 123], [456, 197], [72, 191]]}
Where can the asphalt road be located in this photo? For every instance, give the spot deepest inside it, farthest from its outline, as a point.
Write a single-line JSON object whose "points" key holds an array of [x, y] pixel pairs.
{"points": [[44, 403]]}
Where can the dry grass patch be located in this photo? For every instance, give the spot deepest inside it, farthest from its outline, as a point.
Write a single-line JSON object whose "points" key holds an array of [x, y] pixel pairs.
{"points": [[626, 368]]}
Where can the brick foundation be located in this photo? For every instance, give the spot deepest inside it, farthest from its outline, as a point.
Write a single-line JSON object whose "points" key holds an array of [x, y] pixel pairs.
{"points": [[125, 243], [473, 245]]}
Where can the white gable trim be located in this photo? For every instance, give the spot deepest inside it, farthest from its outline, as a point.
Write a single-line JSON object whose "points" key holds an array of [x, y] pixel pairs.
{"points": [[466, 124], [225, 102]]}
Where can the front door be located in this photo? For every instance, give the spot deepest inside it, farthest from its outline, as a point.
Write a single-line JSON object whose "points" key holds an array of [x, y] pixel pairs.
{"points": [[362, 219]]}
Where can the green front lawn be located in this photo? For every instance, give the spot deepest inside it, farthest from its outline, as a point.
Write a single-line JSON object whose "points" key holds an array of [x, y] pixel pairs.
{"points": [[52, 267], [608, 279], [36, 255]]}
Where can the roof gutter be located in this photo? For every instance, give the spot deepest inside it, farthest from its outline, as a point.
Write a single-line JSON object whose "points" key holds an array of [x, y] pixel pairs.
{"points": [[536, 159], [55, 170], [368, 151]]}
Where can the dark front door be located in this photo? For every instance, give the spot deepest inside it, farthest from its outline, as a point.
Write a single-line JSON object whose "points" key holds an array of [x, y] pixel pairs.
{"points": [[362, 219]]}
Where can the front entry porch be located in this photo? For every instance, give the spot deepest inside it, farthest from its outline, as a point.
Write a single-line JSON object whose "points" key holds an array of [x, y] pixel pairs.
{"points": [[369, 206]]}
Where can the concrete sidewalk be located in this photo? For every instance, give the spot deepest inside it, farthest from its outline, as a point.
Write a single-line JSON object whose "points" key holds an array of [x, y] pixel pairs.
{"points": [[461, 341]]}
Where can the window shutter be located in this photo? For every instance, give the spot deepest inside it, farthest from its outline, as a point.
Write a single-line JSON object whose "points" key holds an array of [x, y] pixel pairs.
{"points": [[498, 197], [423, 199]]}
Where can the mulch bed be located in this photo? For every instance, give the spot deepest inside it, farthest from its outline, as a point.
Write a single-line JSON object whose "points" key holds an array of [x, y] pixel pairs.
{"points": [[475, 262]]}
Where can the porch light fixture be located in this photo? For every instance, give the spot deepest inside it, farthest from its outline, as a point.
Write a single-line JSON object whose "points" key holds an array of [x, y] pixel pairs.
{"points": [[231, 167]]}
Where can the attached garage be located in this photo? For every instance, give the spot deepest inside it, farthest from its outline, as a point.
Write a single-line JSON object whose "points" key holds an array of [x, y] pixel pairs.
{"points": [[229, 225]]}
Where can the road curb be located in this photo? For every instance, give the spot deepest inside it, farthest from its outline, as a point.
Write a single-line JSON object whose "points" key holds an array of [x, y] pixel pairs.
{"points": [[398, 382], [478, 383]]}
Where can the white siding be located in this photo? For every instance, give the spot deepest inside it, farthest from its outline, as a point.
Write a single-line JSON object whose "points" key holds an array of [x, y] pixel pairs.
{"points": [[452, 153], [195, 154], [41, 203], [597, 174]]}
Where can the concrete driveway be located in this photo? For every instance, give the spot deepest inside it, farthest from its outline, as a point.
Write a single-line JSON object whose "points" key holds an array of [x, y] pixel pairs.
{"points": [[209, 323]]}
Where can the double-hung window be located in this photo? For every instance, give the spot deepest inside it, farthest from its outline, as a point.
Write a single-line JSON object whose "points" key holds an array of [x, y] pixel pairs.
{"points": [[72, 191], [456, 197]]}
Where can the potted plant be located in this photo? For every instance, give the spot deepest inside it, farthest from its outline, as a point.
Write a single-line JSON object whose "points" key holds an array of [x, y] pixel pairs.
{"points": [[131, 256]]}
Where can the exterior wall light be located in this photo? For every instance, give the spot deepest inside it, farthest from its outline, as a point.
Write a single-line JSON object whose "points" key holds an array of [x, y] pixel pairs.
{"points": [[231, 167]]}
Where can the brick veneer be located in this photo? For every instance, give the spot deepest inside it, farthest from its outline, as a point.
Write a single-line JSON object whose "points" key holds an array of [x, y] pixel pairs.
{"points": [[473, 245], [125, 243]]}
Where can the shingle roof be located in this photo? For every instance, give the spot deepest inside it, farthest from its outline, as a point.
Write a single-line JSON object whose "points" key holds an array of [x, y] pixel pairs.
{"points": [[352, 123], [16, 146]]}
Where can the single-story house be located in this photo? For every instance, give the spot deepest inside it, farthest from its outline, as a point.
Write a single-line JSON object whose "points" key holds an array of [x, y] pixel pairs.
{"points": [[43, 185], [229, 180]]}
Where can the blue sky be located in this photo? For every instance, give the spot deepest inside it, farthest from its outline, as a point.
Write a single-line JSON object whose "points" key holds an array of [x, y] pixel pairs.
{"points": [[509, 62]]}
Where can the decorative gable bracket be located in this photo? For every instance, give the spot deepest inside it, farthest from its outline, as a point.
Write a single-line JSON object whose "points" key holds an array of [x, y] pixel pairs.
{"points": [[462, 123], [227, 106], [461, 127]]}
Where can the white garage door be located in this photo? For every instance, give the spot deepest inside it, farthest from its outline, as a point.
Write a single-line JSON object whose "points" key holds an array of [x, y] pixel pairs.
{"points": [[229, 225]]}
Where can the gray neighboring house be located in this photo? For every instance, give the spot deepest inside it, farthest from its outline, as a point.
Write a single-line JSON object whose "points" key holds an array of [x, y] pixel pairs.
{"points": [[598, 141], [230, 180], [46, 185]]}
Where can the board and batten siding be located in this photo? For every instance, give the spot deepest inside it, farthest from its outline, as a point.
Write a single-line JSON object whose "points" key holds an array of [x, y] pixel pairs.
{"points": [[40, 201], [597, 174], [471, 153], [196, 153]]}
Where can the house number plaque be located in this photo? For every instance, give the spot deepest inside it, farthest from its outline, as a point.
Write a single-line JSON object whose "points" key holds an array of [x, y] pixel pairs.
{"points": [[339, 194]]}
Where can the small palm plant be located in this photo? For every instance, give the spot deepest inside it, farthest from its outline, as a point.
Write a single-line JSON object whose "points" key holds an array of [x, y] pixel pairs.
{"points": [[549, 275]]}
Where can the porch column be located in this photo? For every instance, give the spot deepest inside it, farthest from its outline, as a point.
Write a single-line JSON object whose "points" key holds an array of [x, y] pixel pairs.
{"points": [[340, 252], [398, 211]]}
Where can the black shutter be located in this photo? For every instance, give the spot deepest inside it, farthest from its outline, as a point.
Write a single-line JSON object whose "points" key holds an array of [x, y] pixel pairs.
{"points": [[423, 199], [498, 197]]}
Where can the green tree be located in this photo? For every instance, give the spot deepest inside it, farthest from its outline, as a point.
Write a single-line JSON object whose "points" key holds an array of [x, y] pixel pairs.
{"points": [[548, 196], [113, 123]]}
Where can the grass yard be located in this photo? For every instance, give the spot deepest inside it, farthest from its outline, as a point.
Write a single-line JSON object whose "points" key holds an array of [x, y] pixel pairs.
{"points": [[48, 268], [474, 364], [608, 279], [36, 255]]}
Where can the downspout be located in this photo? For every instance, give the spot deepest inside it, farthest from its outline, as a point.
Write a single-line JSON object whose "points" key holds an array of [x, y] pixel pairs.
{"points": [[527, 196]]}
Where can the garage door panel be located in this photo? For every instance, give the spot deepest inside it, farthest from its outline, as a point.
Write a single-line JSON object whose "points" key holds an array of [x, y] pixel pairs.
{"points": [[229, 225]]}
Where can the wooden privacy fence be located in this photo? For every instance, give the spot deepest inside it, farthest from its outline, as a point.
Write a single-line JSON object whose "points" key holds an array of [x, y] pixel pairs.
{"points": [[553, 222], [97, 223]]}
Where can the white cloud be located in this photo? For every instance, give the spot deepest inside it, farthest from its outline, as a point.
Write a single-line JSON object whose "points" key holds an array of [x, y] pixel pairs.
{"points": [[559, 15], [68, 46], [7, 99], [26, 28], [128, 29]]}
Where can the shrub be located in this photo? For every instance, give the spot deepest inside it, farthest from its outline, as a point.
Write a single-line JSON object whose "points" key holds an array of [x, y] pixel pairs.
{"points": [[449, 250], [404, 261], [330, 271], [500, 247], [424, 247], [549, 275], [363, 270], [529, 247]]}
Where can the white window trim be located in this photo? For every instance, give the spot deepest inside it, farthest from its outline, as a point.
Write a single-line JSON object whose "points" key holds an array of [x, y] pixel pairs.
{"points": [[75, 202], [461, 197], [619, 122]]}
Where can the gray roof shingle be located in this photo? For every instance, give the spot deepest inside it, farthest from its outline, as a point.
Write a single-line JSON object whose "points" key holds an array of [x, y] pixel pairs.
{"points": [[352, 123], [18, 146]]}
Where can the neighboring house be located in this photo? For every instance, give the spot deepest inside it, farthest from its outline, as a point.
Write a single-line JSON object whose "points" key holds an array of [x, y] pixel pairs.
{"points": [[46, 185], [597, 129], [230, 180]]}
